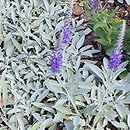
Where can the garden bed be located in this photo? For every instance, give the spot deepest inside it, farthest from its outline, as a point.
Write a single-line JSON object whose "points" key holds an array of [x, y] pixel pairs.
{"points": [[64, 65]]}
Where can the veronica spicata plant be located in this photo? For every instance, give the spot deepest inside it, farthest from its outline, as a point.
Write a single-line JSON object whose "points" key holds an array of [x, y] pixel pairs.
{"points": [[110, 97], [67, 33], [56, 58], [117, 55]]}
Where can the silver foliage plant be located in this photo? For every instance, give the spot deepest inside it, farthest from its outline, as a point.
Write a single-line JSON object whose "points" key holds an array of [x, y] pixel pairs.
{"points": [[81, 96]]}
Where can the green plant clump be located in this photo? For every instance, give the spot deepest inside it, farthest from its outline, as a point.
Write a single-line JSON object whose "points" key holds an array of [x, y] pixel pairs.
{"points": [[106, 28]]}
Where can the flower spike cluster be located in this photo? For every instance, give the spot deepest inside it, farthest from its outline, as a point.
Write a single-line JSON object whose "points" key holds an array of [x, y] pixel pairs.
{"points": [[56, 58], [116, 55], [94, 5], [66, 28]]}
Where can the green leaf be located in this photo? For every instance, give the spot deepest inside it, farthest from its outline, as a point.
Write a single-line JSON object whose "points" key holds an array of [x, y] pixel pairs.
{"points": [[9, 50], [7, 40], [75, 38], [128, 120], [80, 42], [46, 5], [42, 95], [110, 17], [21, 32], [127, 41], [76, 120], [127, 1], [119, 124], [20, 122], [36, 22], [99, 25], [79, 22], [58, 117], [69, 125], [96, 70], [53, 86], [17, 45], [4, 93], [64, 110], [35, 126], [89, 110], [14, 110], [102, 41], [46, 123], [86, 6], [101, 33], [120, 110], [53, 127], [121, 1], [60, 102]]}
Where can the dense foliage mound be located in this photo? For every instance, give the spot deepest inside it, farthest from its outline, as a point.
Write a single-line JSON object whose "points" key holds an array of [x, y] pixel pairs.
{"points": [[48, 80]]}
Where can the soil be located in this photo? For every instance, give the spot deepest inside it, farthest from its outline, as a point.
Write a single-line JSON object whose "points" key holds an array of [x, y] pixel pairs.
{"points": [[123, 11]]}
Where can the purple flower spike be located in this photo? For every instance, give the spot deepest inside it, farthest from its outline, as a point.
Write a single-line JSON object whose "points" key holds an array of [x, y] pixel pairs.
{"points": [[94, 5], [115, 60], [66, 28], [56, 58], [56, 61], [66, 35], [116, 56]]}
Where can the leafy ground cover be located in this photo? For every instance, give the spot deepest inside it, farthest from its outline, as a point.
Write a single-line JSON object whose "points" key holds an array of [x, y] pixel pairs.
{"points": [[64, 65]]}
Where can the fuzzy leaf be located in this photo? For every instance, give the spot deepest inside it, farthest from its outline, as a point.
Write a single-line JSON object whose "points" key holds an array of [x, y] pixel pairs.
{"points": [[96, 70], [17, 45], [63, 110], [53, 86], [80, 42]]}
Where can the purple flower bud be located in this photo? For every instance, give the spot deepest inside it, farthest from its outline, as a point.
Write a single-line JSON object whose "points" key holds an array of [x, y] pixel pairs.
{"points": [[56, 61], [116, 56], [115, 60], [66, 35], [94, 4], [56, 58], [66, 28]]}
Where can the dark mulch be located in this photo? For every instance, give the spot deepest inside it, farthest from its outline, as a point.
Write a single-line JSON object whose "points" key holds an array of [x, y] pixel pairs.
{"points": [[123, 11]]}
